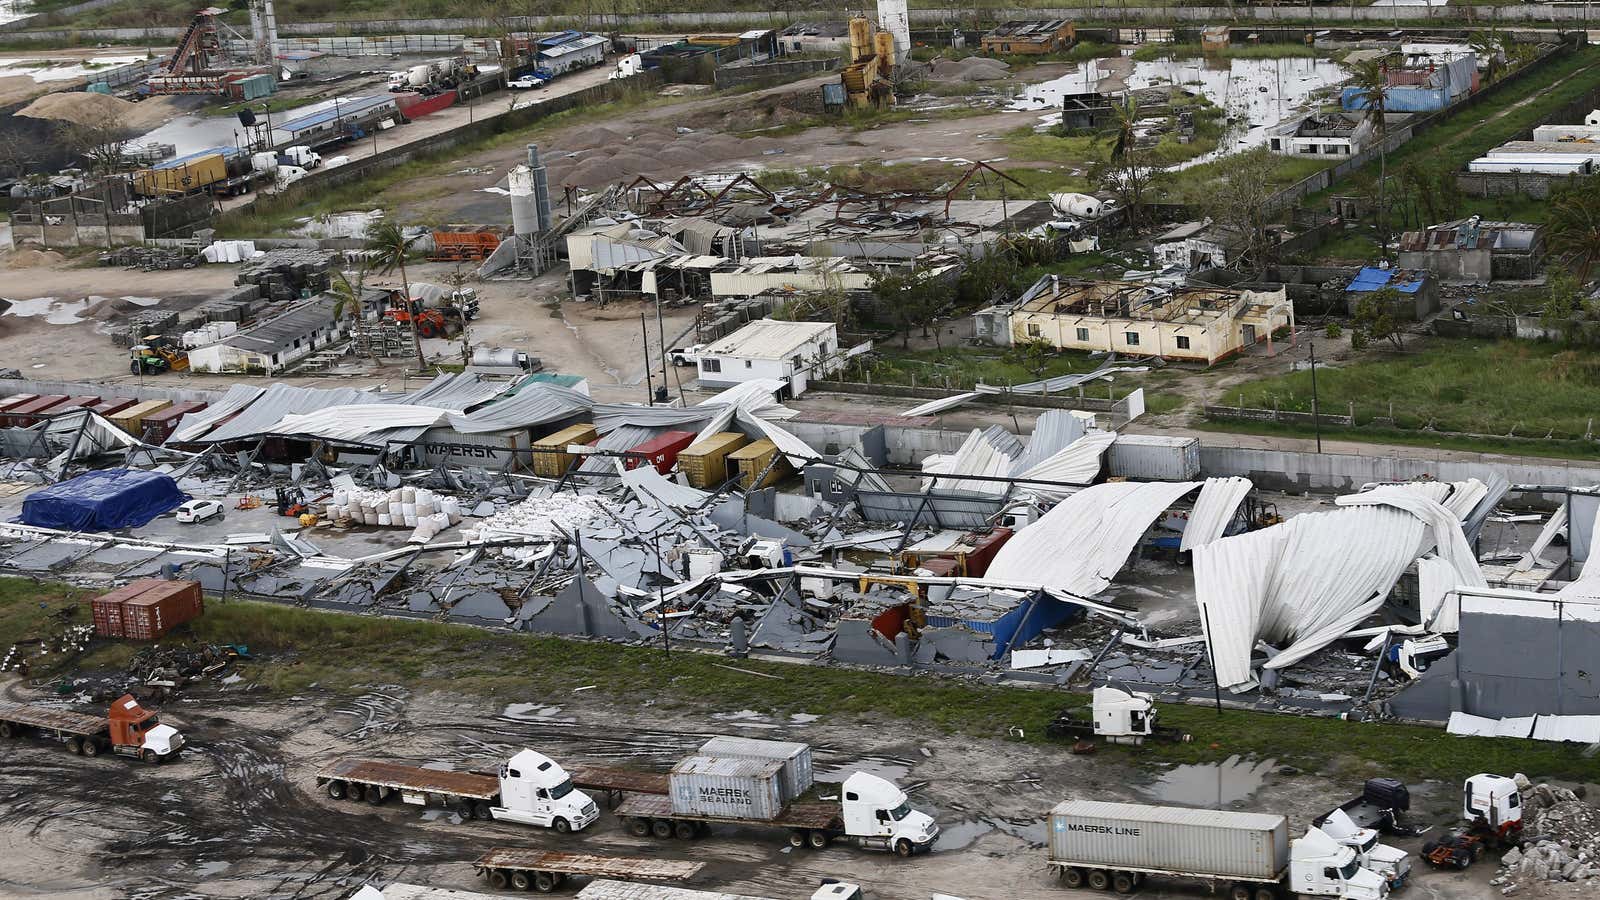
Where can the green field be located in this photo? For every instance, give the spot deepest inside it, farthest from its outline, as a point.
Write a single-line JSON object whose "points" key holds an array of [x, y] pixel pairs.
{"points": [[1495, 388]]}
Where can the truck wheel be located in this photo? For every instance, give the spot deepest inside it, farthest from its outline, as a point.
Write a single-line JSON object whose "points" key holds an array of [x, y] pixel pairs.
{"points": [[683, 831], [1072, 877], [463, 809], [358, 792], [499, 878], [91, 747], [75, 746], [797, 838], [480, 811], [336, 790], [1266, 893], [562, 826], [661, 828], [376, 795], [1122, 883], [544, 882], [903, 848], [638, 827], [1239, 892], [150, 758], [1461, 859], [7, 730], [521, 881], [1099, 879], [818, 840]]}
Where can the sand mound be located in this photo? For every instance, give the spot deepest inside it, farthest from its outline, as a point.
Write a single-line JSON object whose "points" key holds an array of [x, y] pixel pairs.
{"points": [[27, 259], [973, 68], [632, 163], [84, 108]]}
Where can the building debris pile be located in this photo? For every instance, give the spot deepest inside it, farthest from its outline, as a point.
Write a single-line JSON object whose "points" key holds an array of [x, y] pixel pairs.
{"points": [[1562, 831]]}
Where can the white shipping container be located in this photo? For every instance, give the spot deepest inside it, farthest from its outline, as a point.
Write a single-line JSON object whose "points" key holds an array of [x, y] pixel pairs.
{"points": [[601, 889], [1154, 457], [494, 449], [796, 777], [728, 788], [1138, 837]]}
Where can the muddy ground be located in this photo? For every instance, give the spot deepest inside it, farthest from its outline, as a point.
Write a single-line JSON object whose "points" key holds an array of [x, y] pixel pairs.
{"points": [[240, 815]]}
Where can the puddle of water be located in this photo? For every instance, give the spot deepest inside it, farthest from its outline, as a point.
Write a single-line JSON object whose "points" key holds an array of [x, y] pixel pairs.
{"points": [[1210, 785], [960, 835], [803, 718], [747, 718], [215, 867], [43, 70], [340, 225], [440, 765], [53, 309], [885, 767], [1262, 92], [533, 712], [440, 815]]}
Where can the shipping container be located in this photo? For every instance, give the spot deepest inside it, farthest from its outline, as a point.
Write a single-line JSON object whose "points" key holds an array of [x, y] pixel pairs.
{"points": [[660, 451], [499, 450], [159, 425], [969, 552], [796, 777], [1136, 837], [182, 177], [23, 413], [550, 456], [759, 460], [132, 419], [153, 613], [729, 788], [110, 405], [706, 462], [1154, 457], [14, 401], [70, 404], [106, 609]]}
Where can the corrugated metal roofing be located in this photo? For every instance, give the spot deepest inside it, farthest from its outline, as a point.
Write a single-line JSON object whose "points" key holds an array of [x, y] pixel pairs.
{"points": [[195, 425], [769, 339], [280, 333], [623, 438], [457, 391], [278, 401], [532, 405], [347, 106], [622, 890], [1219, 499]]}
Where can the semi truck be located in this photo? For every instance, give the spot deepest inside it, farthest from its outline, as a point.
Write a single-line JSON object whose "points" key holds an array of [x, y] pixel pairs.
{"points": [[530, 789], [126, 729], [620, 890], [1118, 845], [1389, 863]]}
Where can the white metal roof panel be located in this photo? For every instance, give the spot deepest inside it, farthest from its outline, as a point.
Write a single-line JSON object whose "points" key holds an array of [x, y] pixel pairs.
{"points": [[769, 339], [603, 889]]}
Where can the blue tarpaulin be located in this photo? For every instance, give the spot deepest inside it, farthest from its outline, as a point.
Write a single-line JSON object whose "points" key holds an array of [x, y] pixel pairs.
{"points": [[1372, 278], [102, 500]]}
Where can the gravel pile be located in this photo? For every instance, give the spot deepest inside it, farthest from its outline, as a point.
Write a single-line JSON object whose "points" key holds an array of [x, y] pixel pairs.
{"points": [[1562, 845], [973, 68]]}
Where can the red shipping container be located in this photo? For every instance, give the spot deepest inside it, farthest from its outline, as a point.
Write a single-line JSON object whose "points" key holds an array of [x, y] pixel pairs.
{"points": [[660, 451], [113, 405], [73, 403], [149, 616], [16, 400], [160, 425], [21, 414], [106, 609]]}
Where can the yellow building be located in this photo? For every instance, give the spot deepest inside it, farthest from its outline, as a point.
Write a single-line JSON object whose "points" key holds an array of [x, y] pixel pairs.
{"points": [[1138, 319]]}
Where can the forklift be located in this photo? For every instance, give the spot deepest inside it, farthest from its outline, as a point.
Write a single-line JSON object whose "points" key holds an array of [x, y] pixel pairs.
{"points": [[152, 357], [290, 502]]}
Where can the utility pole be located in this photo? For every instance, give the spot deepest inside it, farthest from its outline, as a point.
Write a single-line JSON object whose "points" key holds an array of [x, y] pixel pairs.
{"points": [[649, 389], [661, 335], [1316, 411]]}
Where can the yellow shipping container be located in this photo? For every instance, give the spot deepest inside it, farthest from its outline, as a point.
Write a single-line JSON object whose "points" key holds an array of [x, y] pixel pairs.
{"points": [[132, 419], [705, 463], [191, 176], [550, 458], [749, 462]]}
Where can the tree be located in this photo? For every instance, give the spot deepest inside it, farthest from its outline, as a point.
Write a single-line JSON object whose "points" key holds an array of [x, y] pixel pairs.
{"points": [[1128, 172], [1564, 296], [913, 300], [100, 142], [347, 297], [1375, 318], [1240, 205], [390, 246], [19, 152], [1034, 355], [1572, 229], [1370, 78]]}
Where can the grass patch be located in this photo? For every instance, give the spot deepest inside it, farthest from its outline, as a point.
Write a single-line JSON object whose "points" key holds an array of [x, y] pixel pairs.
{"points": [[1152, 52], [1478, 387], [297, 648]]}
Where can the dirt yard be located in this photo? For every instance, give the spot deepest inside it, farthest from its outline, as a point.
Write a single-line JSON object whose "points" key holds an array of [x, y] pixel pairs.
{"points": [[240, 815]]}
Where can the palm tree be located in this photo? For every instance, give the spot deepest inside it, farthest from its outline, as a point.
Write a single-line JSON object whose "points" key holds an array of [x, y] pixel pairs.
{"points": [[1572, 230], [347, 298], [389, 247], [1370, 78]]}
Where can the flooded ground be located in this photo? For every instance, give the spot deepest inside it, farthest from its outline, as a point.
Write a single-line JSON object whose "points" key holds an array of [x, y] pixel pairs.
{"points": [[1257, 93], [57, 69]]}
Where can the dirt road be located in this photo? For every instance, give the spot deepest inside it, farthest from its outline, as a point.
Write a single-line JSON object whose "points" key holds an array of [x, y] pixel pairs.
{"points": [[240, 816]]}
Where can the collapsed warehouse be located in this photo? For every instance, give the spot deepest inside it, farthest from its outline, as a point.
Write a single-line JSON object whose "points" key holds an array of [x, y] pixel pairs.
{"points": [[1070, 556]]}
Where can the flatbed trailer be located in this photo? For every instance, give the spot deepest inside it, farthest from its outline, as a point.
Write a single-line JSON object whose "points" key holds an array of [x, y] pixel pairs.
{"points": [[546, 870], [130, 730], [615, 783], [470, 794], [808, 824]]}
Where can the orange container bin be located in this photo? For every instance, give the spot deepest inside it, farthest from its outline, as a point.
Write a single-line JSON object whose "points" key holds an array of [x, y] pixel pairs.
{"points": [[106, 609], [149, 616]]}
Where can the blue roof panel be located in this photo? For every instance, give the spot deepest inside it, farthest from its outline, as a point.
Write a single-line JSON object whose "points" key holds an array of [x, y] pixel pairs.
{"points": [[1372, 278]]}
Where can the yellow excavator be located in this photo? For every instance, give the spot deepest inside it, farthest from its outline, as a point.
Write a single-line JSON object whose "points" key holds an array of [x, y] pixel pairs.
{"points": [[153, 357]]}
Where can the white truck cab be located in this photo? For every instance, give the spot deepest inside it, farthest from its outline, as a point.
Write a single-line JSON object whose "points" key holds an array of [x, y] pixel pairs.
{"points": [[878, 814], [1319, 866], [838, 890], [1492, 801], [1390, 863], [1124, 715], [535, 790]]}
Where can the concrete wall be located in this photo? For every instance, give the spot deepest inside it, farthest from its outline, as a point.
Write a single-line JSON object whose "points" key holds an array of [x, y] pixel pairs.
{"points": [[10, 386], [734, 76], [1290, 470]]}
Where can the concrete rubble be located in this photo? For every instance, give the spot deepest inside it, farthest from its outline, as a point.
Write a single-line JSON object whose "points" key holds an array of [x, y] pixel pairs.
{"points": [[1562, 841]]}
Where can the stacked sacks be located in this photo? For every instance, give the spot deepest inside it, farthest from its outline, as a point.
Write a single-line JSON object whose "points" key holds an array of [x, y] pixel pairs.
{"points": [[419, 509]]}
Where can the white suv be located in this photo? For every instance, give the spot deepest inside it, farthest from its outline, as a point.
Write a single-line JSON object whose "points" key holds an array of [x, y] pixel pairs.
{"points": [[199, 510]]}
